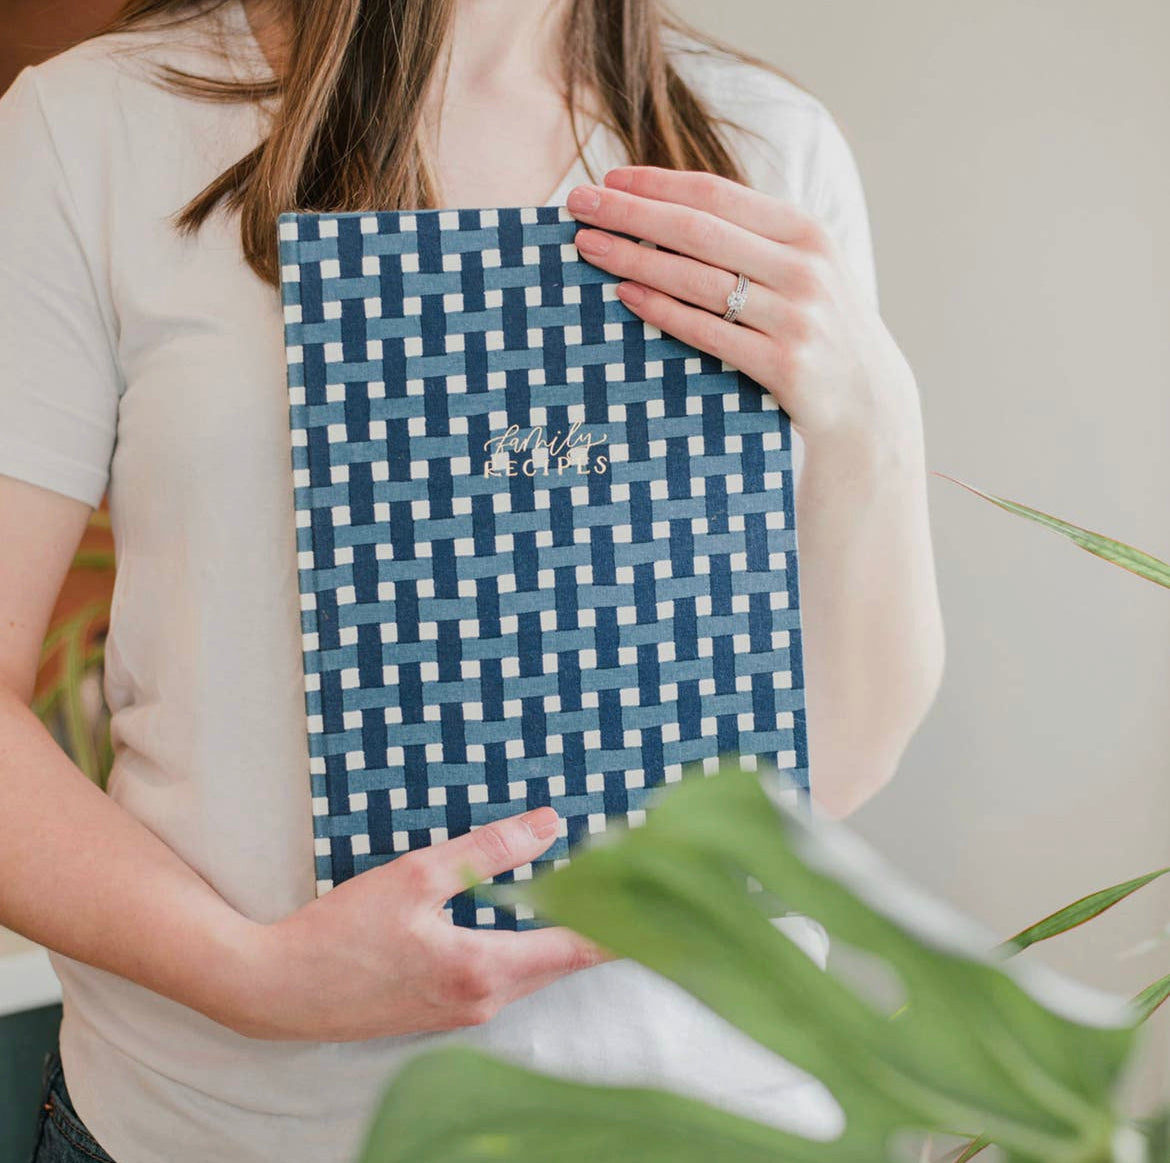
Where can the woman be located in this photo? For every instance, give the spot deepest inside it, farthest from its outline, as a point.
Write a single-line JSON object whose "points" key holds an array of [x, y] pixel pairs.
{"points": [[213, 1008]]}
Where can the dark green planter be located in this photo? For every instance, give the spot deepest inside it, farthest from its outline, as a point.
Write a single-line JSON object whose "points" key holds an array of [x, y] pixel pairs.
{"points": [[25, 1039]]}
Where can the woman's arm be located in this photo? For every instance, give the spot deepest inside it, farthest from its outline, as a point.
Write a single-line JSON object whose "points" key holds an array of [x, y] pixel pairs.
{"points": [[810, 333], [78, 873], [873, 631], [83, 876]]}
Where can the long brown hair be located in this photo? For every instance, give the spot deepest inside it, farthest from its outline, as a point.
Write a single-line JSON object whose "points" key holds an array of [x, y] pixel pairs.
{"points": [[347, 131]]}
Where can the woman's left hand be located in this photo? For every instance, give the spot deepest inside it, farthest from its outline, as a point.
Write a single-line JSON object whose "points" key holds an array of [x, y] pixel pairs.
{"points": [[807, 333], [811, 336]]}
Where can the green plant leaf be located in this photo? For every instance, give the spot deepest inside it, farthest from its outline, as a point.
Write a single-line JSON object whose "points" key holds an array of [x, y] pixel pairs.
{"points": [[1157, 1136], [1150, 998], [46, 702], [69, 638], [78, 726], [89, 614], [101, 560], [460, 1105], [973, 1148], [1078, 913], [1117, 552], [1006, 1048]]}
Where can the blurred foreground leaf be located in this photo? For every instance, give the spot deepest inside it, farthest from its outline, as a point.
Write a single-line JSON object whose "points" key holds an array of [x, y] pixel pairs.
{"points": [[986, 1046], [460, 1105]]}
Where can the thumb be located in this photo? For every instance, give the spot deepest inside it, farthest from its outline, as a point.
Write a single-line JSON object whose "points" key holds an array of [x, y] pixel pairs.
{"points": [[485, 851]]}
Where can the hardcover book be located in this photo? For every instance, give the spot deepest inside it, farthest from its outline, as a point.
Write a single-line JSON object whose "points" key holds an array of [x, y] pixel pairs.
{"points": [[546, 553]]}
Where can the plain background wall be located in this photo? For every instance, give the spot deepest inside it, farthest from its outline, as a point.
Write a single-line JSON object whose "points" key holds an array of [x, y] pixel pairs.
{"points": [[1016, 157]]}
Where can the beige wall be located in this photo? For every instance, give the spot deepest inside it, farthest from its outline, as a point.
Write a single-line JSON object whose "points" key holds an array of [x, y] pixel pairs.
{"points": [[1016, 155]]}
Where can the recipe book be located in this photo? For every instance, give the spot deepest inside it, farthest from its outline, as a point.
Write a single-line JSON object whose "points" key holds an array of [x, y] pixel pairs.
{"points": [[546, 553]]}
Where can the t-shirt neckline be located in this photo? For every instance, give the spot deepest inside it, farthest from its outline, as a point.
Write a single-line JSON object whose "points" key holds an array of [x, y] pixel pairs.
{"points": [[600, 149]]}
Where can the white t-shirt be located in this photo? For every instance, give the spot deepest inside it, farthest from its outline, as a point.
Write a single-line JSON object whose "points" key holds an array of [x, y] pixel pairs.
{"points": [[153, 364]]}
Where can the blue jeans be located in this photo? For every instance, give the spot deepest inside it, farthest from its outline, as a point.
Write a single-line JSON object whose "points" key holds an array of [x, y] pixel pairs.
{"points": [[61, 1136]]}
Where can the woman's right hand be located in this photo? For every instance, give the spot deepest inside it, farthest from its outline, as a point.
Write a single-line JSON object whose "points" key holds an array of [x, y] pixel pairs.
{"points": [[377, 954]]}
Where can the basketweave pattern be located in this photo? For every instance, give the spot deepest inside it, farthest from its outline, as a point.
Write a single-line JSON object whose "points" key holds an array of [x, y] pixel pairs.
{"points": [[546, 553]]}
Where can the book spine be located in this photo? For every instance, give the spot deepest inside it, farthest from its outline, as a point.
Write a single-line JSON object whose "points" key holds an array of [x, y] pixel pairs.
{"points": [[309, 551]]}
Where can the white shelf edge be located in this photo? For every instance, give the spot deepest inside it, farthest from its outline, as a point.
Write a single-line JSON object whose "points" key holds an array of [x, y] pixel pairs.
{"points": [[27, 982]]}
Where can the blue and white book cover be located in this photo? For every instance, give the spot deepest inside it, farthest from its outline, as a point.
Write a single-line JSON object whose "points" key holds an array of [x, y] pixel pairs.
{"points": [[546, 553]]}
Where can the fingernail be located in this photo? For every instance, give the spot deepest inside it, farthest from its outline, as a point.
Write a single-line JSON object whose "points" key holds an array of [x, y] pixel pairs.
{"points": [[619, 179], [593, 241], [632, 293], [542, 822], [584, 198]]}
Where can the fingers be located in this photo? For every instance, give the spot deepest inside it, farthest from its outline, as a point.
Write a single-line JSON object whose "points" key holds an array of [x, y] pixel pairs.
{"points": [[483, 970], [761, 213], [545, 953], [750, 351], [498, 966], [697, 233], [683, 277], [441, 870]]}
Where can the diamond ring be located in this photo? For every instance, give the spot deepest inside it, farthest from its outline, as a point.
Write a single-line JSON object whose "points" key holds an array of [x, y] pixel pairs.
{"points": [[737, 298]]}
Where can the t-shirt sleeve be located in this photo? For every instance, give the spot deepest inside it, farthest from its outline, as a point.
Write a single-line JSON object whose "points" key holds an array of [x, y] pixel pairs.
{"points": [[59, 381], [836, 196]]}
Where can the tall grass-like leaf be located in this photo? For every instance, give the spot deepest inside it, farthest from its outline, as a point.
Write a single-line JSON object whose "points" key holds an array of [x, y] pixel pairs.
{"points": [[1005, 1048], [91, 614], [1117, 552], [68, 639], [77, 723], [101, 560], [1078, 912], [1151, 998], [975, 1147]]}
